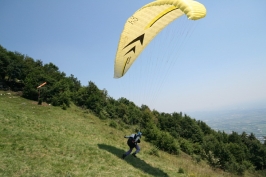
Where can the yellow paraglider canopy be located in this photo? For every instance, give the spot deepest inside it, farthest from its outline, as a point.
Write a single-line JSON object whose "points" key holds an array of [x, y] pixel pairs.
{"points": [[146, 23]]}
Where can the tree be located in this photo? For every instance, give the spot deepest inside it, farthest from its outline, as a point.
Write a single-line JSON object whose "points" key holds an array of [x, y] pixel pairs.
{"points": [[4, 62], [190, 130], [97, 99], [204, 127], [234, 138], [238, 151]]}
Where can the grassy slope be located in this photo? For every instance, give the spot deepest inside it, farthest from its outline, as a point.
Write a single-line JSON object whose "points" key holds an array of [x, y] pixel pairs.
{"points": [[48, 141]]}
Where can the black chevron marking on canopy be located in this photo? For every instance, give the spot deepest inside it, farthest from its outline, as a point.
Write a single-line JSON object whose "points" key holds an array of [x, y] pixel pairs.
{"points": [[133, 49], [140, 38]]}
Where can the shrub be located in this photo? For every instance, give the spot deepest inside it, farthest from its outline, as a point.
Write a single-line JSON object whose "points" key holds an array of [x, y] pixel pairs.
{"points": [[186, 146], [64, 106], [113, 124], [161, 139], [103, 114], [248, 165], [181, 170], [196, 158]]}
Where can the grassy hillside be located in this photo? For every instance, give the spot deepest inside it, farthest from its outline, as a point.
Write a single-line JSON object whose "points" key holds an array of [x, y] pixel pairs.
{"points": [[48, 141]]}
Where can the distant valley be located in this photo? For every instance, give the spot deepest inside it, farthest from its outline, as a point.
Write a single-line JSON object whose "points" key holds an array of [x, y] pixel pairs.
{"points": [[250, 121]]}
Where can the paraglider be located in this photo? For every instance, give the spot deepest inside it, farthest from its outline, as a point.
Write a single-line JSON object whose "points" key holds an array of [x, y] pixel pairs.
{"points": [[132, 142], [146, 23]]}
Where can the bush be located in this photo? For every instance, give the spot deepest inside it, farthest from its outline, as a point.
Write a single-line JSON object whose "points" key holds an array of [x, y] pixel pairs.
{"points": [[196, 158], [103, 114], [64, 106], [181, 170], [167, 143], [113, 124], [122, 125], [186, 146], [235, 167], [61, 99], [248, 165], [162, 140]]}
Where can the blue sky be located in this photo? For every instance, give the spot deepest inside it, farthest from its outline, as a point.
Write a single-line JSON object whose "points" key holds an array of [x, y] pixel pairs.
{"points": [[218, 62]]}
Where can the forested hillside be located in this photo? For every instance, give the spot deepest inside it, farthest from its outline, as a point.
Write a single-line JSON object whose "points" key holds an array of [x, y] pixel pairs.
{"points": [[170, 132]]}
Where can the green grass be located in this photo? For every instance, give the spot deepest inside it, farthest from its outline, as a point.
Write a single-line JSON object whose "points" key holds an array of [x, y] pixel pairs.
{"points": [[48, 141]]}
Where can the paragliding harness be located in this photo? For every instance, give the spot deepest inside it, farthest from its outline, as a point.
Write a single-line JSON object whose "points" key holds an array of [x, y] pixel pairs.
{"points": [[131, 141]]}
